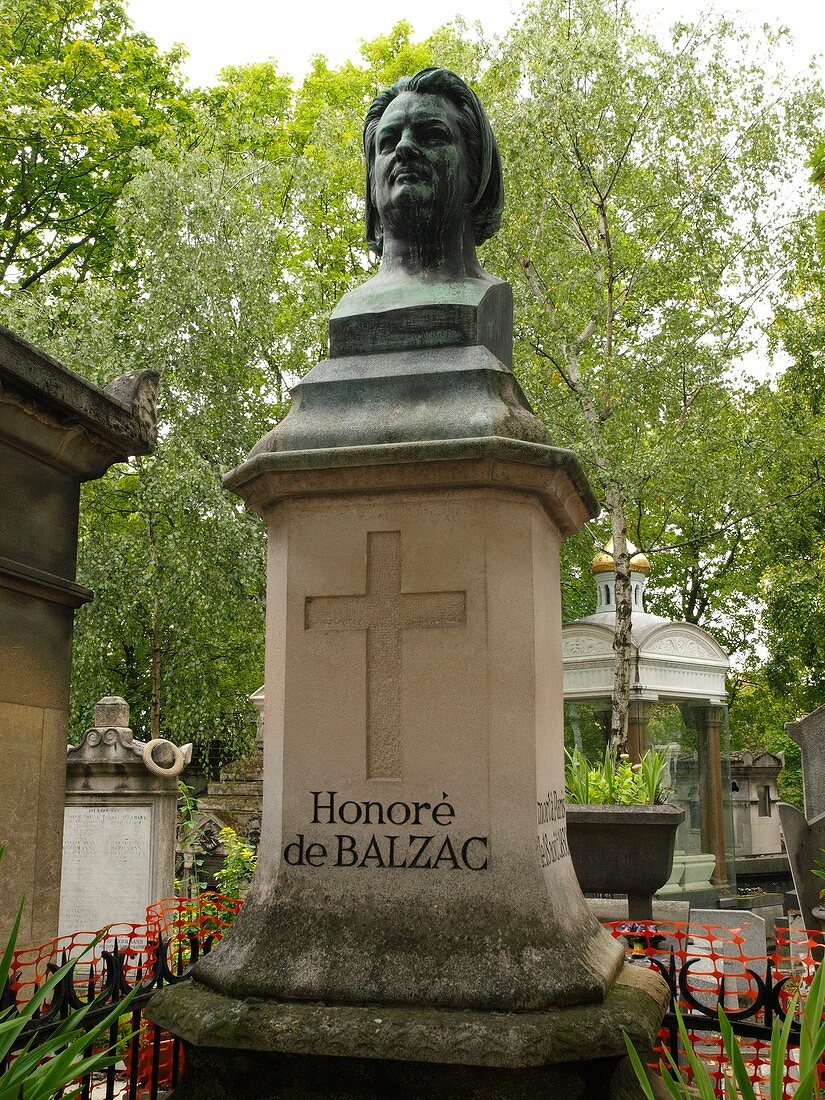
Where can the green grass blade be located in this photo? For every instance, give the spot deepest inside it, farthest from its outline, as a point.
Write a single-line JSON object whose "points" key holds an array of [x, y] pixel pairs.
{"points": [[678, 1088], [701, 1083], [8, 954], [811, 1023], [734, 1055], [701, 1076], [638, 1068], [779, 1050]]}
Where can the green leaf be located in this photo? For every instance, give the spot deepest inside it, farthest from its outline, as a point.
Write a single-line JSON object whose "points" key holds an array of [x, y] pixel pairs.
{"points": [[734, 1056], [638, 1068]]}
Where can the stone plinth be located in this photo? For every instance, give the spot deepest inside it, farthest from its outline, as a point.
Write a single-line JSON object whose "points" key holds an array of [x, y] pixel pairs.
{"points": [[414, 927], [263, 1050], [414, 848], [55, 432], [119, 825]]}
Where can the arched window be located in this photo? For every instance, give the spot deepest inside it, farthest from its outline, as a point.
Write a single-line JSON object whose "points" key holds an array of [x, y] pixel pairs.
{"points": [[607, 593]]}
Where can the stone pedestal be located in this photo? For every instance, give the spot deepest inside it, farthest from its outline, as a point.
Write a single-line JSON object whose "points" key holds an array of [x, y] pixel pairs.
{"points": [[56, 431], [414, 846], [417, 647], [415, 925]]}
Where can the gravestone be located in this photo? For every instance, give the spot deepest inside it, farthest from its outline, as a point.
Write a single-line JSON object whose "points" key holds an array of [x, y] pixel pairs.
{"points": [[739, 923], [56, 431], [809, 734], [805, 844], [119, 824], [415, 926], [804, 834]]}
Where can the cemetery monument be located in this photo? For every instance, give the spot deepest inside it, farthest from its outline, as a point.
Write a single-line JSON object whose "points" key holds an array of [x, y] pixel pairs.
{"points": [[119, 822], [805, 833], [415, 926], [56, 431]]}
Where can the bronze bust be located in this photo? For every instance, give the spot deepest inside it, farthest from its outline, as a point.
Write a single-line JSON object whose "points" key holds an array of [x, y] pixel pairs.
{"points": [[434, 188], [423, 350]]}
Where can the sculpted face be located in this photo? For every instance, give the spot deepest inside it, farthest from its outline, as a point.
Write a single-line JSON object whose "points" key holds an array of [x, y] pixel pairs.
{"points": [[420, 183]]}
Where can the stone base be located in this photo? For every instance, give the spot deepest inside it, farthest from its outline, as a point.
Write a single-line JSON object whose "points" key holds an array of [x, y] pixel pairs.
{"points": [[251, 1075], [260, 1050]]}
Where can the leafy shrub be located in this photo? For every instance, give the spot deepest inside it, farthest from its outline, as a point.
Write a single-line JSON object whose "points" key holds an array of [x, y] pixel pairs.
{"points": [[616, 782], [238, 867]]}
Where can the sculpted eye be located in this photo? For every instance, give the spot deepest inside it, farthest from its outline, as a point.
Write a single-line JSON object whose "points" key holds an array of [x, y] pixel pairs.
{"points": [[436, 134]]}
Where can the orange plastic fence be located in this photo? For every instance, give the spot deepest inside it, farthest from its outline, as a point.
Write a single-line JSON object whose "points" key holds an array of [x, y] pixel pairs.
{"points": [[31, 965], [720, 953], [174, 920]]}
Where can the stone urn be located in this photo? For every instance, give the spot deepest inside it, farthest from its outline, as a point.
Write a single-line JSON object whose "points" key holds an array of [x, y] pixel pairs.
{"points": [[624, 850]]}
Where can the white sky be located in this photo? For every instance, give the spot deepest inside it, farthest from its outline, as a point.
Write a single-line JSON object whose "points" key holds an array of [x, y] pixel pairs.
{"points": [[217, 33]]}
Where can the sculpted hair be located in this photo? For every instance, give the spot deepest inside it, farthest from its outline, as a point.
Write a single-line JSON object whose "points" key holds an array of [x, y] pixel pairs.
{"points": [[485, 162]]}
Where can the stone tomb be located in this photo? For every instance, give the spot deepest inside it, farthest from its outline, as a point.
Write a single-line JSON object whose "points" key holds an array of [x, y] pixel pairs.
{"points": [[56, 431], [119, 824], [415, 927]]}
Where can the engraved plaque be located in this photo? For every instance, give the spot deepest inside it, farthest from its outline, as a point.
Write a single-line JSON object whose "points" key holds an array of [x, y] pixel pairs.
{"points": [[107, 866]]}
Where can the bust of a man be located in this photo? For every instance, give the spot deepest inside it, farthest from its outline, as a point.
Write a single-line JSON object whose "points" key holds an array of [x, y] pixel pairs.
{"points": [[434, 188], [423, 350]]}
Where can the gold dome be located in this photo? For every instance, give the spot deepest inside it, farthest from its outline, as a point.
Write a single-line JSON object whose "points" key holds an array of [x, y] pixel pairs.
{"points": [[604, 563], [640, 563]]}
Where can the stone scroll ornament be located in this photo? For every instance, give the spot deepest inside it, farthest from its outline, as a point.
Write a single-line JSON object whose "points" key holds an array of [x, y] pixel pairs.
{"points": [[111, 741]]}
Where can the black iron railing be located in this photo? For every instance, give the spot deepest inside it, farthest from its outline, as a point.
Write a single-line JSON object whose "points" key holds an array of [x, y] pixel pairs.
{"points": [[138, 1074]]}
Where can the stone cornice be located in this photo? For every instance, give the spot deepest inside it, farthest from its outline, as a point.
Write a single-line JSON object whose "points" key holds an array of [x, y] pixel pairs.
{"points": [[51, 413], [46, 586], [552, 473]]}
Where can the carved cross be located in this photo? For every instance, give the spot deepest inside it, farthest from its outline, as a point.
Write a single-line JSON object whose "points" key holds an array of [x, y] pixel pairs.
{"points": [[384, 612]]}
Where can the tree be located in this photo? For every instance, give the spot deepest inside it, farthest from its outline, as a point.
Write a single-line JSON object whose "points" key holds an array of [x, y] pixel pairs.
{"points": [[647, 179], [236, 234], [757, 722], [176, 564], [792, 543], [80, 93]]}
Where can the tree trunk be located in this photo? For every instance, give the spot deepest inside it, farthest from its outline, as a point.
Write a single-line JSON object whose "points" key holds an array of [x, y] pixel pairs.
{"points": [[154, 636], [622, 646], [154, 721]]}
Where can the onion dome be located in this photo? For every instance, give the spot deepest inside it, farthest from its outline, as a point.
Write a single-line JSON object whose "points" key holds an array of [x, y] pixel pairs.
{"points": [[604, 563]]}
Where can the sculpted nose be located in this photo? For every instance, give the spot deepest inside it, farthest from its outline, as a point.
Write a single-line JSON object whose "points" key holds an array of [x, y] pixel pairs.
{"points": [[406, 146]]}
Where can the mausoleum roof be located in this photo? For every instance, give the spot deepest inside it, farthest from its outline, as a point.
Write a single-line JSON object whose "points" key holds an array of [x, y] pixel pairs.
{"points": [[671, 660]]}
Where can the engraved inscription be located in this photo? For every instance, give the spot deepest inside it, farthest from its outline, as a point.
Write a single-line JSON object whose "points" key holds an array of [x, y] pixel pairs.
{"points": [[384, 836], [107, 853], [551, 817]]}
